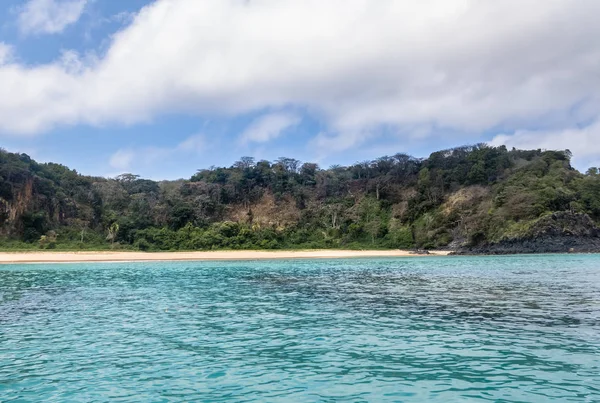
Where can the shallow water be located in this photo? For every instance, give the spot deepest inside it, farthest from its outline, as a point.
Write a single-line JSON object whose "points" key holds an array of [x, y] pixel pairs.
{"points": [[502, 329]]}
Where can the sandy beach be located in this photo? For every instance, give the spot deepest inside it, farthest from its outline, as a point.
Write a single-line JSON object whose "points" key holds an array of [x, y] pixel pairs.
{"points": [[58, 257]]}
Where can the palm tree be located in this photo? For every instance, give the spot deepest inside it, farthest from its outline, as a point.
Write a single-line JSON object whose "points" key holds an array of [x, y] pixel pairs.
{"points": [[113, 230]]}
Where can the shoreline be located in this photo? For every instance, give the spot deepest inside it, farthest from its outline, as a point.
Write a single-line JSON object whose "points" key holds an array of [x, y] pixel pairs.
{"points": [[110, 256]]}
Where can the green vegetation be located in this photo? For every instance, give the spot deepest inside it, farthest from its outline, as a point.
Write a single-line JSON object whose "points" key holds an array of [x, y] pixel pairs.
{"points": [[463, 196]]}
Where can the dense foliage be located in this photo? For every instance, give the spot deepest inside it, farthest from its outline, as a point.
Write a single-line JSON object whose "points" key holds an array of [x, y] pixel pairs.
{"points": [[465, 195]]}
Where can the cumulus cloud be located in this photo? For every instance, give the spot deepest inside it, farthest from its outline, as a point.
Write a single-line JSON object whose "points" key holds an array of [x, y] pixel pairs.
{"points": [[268, 127], [466, 65], [583, 142], [49, 16]]}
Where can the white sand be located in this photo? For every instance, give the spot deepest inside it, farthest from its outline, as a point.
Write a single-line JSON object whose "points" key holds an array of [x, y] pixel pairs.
{"points": [[56, 257]]}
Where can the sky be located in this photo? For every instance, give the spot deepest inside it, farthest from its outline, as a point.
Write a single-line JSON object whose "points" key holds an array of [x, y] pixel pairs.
{"points": [[162, 88]]}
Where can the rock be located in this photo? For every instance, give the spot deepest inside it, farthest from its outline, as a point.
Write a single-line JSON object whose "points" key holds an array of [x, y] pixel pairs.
{"points": [[420, 252], [560, 232]]}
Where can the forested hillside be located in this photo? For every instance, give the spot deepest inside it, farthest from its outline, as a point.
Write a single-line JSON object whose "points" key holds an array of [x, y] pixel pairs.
{"points": [[475, 198]]}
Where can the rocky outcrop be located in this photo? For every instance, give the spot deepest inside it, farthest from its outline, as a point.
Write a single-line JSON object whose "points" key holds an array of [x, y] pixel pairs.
{"points": [[560, 232], [12, 210]]}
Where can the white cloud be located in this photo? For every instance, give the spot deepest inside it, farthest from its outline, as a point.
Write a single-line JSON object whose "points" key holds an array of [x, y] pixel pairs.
{"points": [[49, 16], [124, 17], [128, 158], [6, 52], [122, 159], [268, 127], [194, 144], [583, 142], [326, 143], [465, 65]]}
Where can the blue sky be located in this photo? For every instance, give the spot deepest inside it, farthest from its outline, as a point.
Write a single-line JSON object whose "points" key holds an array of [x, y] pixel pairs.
{"points": [[162, 88]]}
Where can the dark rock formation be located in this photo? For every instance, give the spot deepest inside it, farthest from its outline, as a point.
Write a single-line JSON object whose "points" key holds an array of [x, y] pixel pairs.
{"points": [[560, 232]]}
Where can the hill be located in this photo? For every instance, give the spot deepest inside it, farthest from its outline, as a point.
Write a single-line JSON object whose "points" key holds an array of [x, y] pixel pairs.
{"points": [[473, 199]]}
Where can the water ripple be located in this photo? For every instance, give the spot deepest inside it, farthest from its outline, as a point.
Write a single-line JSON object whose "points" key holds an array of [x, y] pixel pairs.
{"points": [[502, 329]]}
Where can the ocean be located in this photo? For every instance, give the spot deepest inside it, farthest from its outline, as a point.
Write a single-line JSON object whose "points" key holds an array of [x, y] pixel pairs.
{"points": [[418, 329]]}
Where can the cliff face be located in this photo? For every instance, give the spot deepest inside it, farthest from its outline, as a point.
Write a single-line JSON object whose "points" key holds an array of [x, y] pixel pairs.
{"points": [[35, 199], [560, 232], [11, 211]]}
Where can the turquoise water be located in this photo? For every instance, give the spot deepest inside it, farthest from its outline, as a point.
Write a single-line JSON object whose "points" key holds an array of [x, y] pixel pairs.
{"points": [[501, 329]]}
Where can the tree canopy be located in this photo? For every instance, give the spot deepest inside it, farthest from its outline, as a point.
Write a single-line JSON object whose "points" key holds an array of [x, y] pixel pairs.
{"points": [[462, 195]]}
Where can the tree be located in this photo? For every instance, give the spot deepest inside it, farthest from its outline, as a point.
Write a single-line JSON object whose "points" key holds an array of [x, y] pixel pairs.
{"points": [[307, 174], [289, 165], [370, 209], [127, 177], [244, 163], [372, 201], [113, 230]]}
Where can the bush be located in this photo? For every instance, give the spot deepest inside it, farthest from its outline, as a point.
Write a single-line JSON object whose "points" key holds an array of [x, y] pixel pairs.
{"points": [[401, 238], [142, 244]]}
